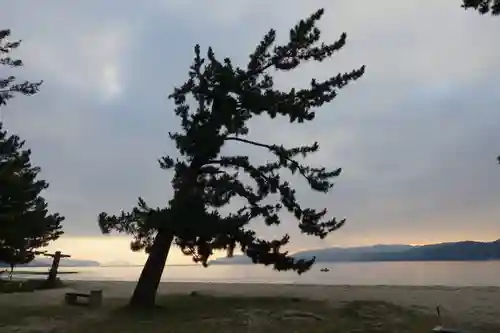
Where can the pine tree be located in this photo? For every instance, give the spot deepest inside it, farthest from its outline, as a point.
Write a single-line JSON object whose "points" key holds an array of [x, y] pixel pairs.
{"points": [[215, 105], [483, 6], [8, 85], [25, 224]]}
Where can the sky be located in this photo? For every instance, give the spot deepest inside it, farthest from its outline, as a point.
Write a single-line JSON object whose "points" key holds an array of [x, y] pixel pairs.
{"points": [[417, 136]]}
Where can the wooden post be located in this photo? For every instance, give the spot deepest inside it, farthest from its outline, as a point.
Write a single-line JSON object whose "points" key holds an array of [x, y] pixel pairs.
{"points": [[55, 264]]}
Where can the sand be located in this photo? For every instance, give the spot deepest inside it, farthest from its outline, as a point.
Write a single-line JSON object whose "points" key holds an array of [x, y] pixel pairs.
{"points": [[464, 304]]}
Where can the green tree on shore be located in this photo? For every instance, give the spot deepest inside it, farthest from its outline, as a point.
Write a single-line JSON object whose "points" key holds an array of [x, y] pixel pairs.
{"points": [[25, 224], [215, 105]]}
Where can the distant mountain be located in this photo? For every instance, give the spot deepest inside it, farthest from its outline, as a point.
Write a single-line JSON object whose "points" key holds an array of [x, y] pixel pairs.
{"points": [[238, 259], [349, 254], [117, 263], [324, 255], [459, 251], [47, 262]]}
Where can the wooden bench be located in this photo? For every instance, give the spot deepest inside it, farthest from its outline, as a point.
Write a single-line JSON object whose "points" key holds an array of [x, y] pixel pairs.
{"points": [[94, 298]]}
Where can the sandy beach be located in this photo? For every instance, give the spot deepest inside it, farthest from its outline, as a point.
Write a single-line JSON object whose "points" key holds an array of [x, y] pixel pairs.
{"points": [[467, 305]]}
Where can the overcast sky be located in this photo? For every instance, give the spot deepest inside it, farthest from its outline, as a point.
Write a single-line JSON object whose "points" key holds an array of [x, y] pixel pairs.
{"points": [[417, 136]]}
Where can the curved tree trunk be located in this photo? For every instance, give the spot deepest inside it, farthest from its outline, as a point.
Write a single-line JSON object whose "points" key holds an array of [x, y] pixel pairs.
{"points": [[145, 291]]}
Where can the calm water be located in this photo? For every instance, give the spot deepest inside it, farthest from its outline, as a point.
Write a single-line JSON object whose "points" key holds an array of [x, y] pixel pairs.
{"points": [[387, 273]]}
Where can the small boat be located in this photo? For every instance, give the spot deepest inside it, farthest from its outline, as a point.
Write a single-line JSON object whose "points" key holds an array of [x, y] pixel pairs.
{"points": [[324, 270]]}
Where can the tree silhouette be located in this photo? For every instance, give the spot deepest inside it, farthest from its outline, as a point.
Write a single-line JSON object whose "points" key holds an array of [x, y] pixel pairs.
{"points": [[25, 224], [8, 85], [215, 105], [483, 6]]}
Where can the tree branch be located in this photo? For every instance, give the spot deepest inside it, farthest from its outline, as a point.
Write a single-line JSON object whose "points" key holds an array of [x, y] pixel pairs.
{"points": [[273, 149]]}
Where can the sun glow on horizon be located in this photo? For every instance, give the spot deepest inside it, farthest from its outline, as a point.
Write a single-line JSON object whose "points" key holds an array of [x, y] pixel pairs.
{"points": [[111, 250], [116, 249]]}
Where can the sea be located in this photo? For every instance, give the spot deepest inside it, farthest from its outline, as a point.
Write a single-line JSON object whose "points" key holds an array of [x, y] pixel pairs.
{"points": [[429, 273]]}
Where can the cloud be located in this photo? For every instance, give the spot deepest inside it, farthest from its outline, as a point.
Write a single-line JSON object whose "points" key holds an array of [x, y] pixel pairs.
{"points": [[88, 62], [417, 136]]}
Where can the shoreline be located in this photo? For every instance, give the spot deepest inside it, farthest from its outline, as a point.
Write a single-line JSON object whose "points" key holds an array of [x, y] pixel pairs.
{"points": [[222, 282]]}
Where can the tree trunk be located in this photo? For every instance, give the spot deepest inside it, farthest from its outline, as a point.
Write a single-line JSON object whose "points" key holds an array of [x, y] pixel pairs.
{"points": [[145, 291]]}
